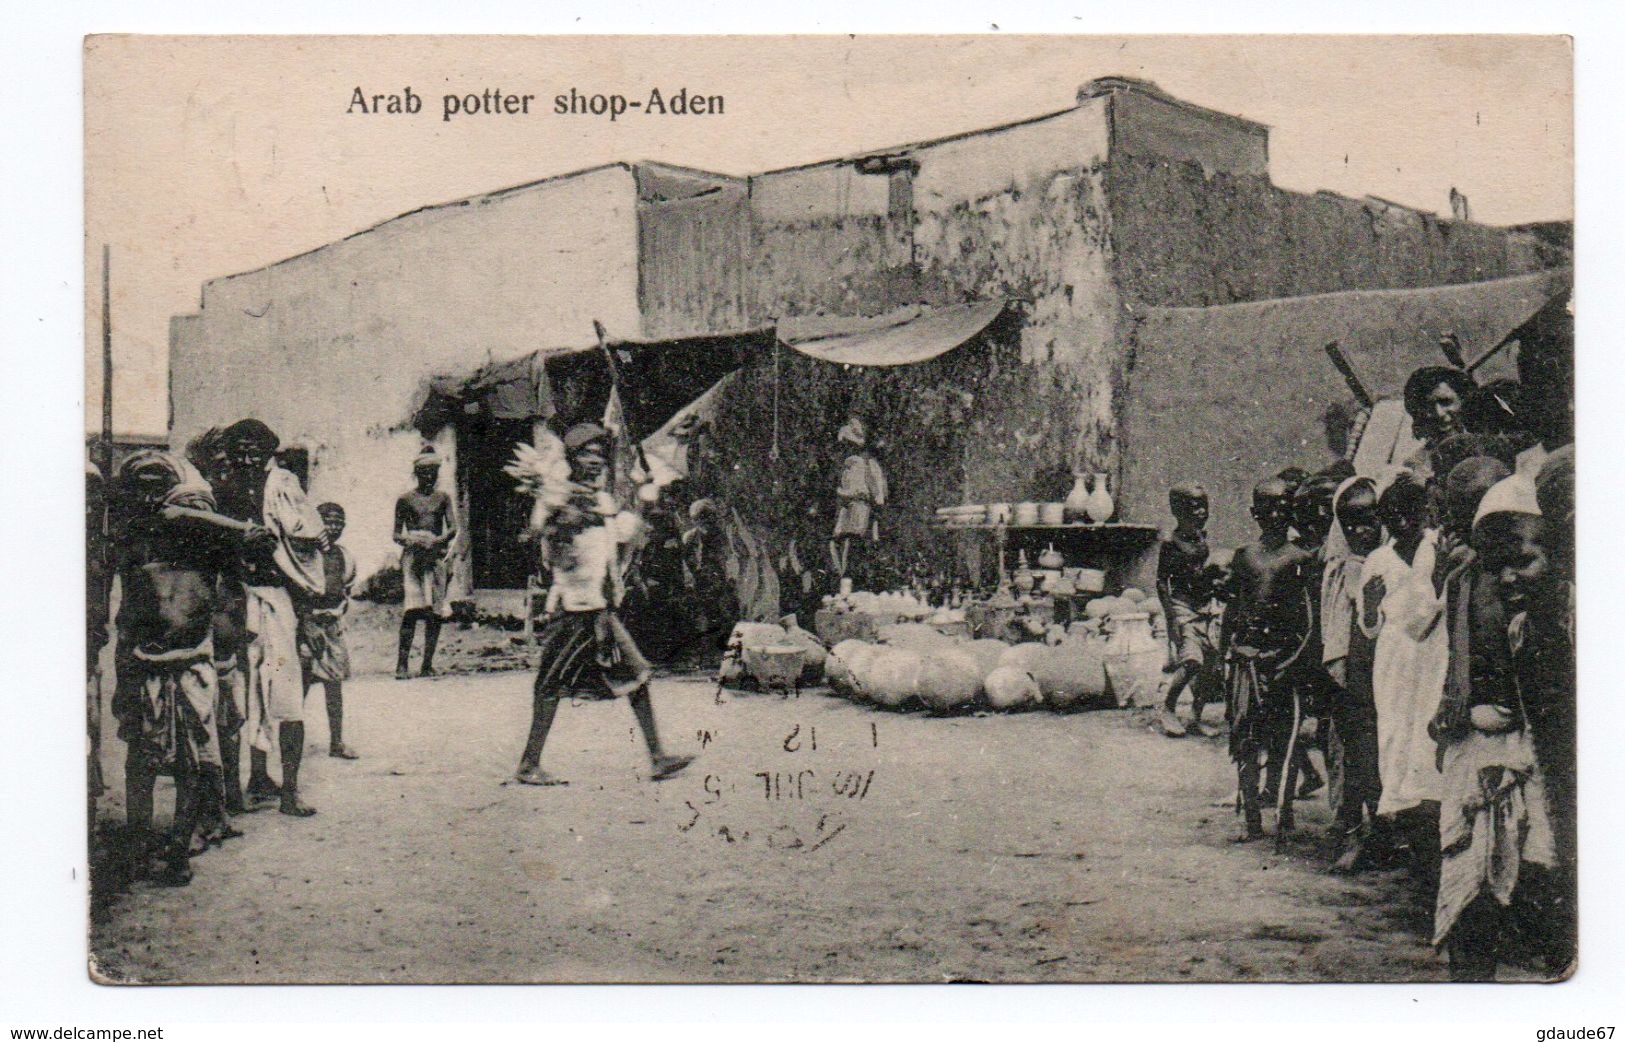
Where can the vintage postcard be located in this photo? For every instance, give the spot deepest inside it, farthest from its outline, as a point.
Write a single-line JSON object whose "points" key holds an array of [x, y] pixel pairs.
{"points": [[827, 508]]}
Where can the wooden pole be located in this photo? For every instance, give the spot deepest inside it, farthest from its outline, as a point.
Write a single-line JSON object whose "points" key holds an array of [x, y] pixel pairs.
{"points": [[1472, 366], [106, 454], [615, 385]]}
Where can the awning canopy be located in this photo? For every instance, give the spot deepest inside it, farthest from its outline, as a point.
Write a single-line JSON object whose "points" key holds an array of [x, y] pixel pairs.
{"points": [[657, 379], [915, 335]]}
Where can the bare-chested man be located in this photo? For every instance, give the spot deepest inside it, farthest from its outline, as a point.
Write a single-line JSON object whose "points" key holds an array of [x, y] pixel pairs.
{"points": [[424, 528], [1268, 624]]}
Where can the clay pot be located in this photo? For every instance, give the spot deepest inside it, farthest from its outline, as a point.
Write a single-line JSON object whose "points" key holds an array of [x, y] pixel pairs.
{"points": [[1076, 506], [1100, 506]]}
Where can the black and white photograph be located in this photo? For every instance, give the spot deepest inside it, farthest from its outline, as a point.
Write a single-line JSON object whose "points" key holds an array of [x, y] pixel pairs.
{"points": [[830, 509]]}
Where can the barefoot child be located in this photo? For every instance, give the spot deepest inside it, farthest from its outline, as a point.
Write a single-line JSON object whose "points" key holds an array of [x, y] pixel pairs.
{"points": [[1401, 609], [582, 641], [1267, 628], [1347, 653], [1185, 587], [322, 649]]}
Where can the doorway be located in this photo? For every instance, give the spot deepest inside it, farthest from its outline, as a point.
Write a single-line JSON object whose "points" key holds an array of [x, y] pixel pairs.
{"points": [[497, 512]]}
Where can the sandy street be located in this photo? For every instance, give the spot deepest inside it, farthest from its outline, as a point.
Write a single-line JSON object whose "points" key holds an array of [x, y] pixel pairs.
{"points": [[813, 840]]}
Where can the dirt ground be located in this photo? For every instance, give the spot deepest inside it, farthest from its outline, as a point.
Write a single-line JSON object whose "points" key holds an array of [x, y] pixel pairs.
{"points": [[813, 840]]}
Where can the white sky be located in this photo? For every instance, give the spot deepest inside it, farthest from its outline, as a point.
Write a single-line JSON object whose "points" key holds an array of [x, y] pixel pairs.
{"points": [[209, 156]]}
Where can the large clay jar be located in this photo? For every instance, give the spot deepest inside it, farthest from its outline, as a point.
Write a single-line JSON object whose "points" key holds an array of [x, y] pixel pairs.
{"points": [[1100, 507], [891, 677], [950, 680], [1134, 659], [1011, 688]]}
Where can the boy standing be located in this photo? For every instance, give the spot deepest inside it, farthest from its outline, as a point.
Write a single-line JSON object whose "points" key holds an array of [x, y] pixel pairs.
{"points": [[1185, 587], [424, 528], [322, 649], [583, 641], [1267, 628], [1347, 654]]}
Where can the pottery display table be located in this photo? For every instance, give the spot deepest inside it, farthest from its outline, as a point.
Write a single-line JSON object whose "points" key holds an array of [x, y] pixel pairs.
{"points": [[1116, 548]]}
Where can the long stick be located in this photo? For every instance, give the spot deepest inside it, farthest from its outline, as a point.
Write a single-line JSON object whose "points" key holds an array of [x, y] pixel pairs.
{"points": [[1491, 353], [106, 461], [1340, 360], [615, 384], [1450, 347], [105, 550], [1288, 779]]}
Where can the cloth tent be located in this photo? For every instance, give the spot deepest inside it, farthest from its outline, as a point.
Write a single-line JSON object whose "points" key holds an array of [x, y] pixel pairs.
{"points": [[657, 378]]}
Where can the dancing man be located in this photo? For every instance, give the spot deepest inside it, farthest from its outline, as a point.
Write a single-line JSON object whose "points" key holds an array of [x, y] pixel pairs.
{"points": [[583, 642]]}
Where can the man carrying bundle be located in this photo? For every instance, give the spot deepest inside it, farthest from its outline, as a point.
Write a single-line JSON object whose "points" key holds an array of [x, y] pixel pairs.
{"points": [[289, 564]]}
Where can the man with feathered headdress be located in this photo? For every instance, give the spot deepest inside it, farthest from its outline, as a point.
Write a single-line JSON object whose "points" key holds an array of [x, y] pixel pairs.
{"points": [[583, 642]]}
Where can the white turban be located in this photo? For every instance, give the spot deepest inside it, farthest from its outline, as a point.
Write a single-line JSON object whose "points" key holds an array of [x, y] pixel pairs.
{"points": [[1513, 495]]}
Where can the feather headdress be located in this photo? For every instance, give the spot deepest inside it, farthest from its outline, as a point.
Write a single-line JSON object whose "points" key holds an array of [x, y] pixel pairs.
{"points": [[541, 471]]}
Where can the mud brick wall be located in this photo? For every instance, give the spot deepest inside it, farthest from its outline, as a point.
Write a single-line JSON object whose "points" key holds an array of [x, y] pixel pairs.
{"points": [[1183, 239]]}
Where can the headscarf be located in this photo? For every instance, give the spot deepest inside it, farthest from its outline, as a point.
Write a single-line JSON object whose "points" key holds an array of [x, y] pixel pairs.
{"points": [[427, 458], [1340, 584], [185, 486]]}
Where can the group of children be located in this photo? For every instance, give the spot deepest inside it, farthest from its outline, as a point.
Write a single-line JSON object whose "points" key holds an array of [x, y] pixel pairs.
{"points": [[232, 592], [1424, 620]]}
